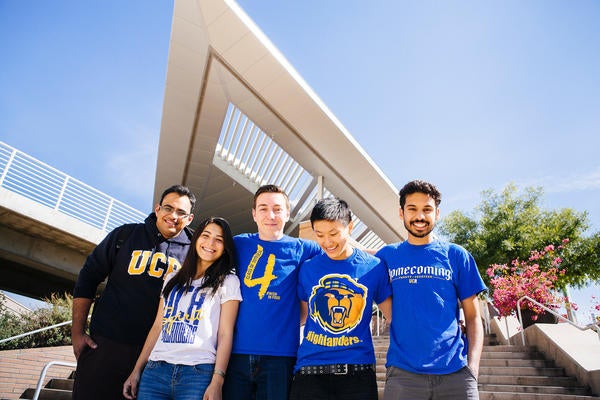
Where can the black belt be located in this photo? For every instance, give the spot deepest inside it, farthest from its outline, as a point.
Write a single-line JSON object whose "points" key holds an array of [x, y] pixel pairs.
{"points": [[335, 369]]}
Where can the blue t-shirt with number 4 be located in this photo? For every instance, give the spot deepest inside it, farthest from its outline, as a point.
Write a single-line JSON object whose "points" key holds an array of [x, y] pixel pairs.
{"points": [[268, 321]]}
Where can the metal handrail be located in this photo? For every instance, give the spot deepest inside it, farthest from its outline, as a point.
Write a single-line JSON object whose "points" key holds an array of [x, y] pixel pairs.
{"points": [[37, 181], [379, 318], [35, 331], [38, 388], [593, 327]]}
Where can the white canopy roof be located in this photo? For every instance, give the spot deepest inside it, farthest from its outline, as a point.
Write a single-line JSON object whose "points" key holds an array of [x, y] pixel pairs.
{"points": [[237, 115]]}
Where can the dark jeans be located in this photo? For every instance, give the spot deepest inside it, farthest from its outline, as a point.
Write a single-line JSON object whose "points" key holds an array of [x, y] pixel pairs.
{"points": [[100, 373], [255, 377], [359, 386]]}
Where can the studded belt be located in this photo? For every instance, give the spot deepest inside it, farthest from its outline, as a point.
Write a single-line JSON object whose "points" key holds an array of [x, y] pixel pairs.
{"points": [[335, 369]]}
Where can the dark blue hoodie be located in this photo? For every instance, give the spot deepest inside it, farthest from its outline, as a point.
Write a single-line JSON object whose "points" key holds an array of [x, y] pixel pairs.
{"points": [[127, 307]]}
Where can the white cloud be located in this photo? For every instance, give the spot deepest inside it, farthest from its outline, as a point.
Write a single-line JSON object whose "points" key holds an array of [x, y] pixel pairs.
{"points": [[588, 180]]}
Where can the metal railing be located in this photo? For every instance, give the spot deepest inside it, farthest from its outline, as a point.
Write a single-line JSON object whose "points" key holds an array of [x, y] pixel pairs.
{"points": [[592, 326], [42, 377], [34, 331], [379, 320], [38, 388], [31, 178]]}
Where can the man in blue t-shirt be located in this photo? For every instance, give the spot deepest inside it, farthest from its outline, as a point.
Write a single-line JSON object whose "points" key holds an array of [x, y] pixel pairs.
{"points": [[428, 355], [267, 330], [336, 359]]}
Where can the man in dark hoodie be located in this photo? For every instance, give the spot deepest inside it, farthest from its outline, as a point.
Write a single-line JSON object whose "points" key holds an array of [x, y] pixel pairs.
{"points": [[135, 266]]}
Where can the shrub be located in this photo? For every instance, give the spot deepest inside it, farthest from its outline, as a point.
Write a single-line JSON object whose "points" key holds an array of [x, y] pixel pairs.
{"points": [[534, 277], [58, 310]]}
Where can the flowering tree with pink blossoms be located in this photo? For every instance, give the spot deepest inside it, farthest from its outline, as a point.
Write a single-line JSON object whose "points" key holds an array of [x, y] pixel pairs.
{"points": [[534, 277], [509, 224]]}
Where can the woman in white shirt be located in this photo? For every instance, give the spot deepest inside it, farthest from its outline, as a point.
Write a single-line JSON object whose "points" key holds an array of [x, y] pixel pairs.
{"points": [[186, 353]]}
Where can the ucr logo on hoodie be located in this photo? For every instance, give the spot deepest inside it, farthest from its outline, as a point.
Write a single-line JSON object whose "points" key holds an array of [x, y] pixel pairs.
{"points": [[139, 264]]}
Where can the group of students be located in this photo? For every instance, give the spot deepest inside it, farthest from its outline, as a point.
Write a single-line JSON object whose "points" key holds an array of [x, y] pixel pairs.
{"points": [[210, 316]]}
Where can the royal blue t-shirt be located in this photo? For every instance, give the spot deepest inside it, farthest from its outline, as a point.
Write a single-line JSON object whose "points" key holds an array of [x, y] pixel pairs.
{"points": [[340, 295], [428, 282], [268, 321]]}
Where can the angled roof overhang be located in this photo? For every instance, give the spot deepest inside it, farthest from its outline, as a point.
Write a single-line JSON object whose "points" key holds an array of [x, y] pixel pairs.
{"points": [[228, 92]]}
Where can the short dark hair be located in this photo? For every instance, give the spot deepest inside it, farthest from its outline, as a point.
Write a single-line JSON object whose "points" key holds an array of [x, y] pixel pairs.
{"points": [[331, 209], [271, 189], [418, 186], [180, 190]]}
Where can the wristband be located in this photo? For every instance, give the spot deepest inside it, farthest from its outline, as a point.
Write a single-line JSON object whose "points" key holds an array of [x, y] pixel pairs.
{"points": [[219, 372]]}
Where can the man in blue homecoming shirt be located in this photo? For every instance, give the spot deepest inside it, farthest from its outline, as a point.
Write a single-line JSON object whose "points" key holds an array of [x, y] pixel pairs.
{"points": [[428, 357]]}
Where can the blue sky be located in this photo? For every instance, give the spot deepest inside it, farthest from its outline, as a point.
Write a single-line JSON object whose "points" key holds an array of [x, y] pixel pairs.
{"points": [[469, 95]]}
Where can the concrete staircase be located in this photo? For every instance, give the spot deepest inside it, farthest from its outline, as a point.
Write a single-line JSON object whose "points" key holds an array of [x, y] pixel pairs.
{"points": [[381, 344], [509, 373], [55, 389], [522, 373], [20, 371]]}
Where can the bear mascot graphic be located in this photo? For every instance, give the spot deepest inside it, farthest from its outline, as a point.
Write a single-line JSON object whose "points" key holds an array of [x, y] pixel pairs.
{"points": [[337, 303]]}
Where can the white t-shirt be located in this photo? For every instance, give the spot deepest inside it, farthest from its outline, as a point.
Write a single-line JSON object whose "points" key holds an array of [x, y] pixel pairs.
{"points": [[191, 321]]}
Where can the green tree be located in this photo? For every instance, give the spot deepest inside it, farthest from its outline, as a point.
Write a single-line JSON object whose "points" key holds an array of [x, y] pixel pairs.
{"points": [[508, 225]]}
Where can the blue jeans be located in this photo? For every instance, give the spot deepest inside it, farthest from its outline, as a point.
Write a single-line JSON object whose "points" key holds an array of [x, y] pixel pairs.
{"points": [[254, 377], [162, 380]]}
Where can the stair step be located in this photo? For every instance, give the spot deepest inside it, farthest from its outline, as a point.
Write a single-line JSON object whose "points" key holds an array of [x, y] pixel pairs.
{"points": [[48, 394], [507, 348], [532, 354], [515, 363], [64, 384], [521, 371], [566, 381], [484, 395], [573, 390]]}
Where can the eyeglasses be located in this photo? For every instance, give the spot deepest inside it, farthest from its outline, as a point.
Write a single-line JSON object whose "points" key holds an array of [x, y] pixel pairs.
{"points": [[170, 210]]}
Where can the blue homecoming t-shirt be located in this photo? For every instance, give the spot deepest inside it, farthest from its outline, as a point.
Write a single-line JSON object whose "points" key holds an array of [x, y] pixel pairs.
{"points": [[340, 295], [268, 321], [428, 282]]}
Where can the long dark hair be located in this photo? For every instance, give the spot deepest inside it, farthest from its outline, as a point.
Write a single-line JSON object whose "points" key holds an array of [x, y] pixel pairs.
{"points": [[216, 272]]}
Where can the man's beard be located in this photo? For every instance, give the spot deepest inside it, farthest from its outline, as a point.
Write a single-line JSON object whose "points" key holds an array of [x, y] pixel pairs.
{"points": [[419, 234]]}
